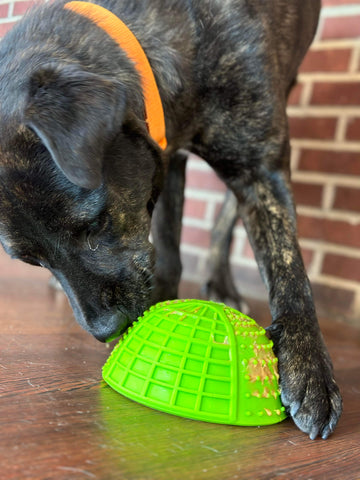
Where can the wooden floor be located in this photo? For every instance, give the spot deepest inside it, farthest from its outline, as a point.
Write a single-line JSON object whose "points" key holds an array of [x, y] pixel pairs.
{"points": [[58, 420]]}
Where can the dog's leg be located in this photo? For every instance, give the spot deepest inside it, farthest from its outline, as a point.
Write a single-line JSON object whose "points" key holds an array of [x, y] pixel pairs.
{"points": [[166, 230], [308, 388], [220, 285]]}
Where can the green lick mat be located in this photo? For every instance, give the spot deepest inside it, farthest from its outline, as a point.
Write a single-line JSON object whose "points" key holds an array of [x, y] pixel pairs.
{"points": [[200, 360]]}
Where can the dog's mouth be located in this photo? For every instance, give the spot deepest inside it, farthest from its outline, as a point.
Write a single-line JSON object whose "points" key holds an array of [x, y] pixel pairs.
{"points": [[114, 324], [111, 326], [126, 322], [114, 336]]}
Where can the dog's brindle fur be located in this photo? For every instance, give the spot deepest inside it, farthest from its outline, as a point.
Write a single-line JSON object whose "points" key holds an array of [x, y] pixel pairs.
{"points": [[80, 175]]}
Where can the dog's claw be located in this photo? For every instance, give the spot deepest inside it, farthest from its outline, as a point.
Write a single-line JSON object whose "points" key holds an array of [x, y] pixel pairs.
{"points": [[316, 416], [308, 389], [314, 433]]}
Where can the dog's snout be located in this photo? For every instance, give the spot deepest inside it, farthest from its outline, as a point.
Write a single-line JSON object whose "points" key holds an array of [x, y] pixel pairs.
{"points": [[95, 309], [109, 327]]}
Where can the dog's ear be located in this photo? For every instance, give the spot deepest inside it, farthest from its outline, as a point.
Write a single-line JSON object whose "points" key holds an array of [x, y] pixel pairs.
{"points": [[75, 114]]}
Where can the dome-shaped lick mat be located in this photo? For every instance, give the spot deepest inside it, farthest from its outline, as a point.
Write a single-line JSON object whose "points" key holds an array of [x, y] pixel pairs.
{"points": [[200, 360]]}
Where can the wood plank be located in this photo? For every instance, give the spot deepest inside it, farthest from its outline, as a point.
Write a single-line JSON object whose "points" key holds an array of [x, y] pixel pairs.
{"points": [[58, 419]]}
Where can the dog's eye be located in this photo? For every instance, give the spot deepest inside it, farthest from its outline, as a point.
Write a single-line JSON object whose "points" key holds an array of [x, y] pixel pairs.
{"points": [[93, 244], [99, 224]]}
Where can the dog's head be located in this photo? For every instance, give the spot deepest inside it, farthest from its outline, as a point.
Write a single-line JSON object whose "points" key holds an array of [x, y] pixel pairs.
{"points": [[79, 177]]}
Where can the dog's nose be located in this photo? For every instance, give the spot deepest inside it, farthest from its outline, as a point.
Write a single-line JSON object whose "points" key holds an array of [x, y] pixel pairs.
{"points": [[109, 327]]}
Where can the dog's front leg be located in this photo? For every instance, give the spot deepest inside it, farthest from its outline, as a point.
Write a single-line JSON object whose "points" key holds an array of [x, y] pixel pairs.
{"points": [[166, 230], [308, 388]]}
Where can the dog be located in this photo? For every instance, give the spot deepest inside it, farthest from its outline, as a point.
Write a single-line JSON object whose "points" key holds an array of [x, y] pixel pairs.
{"points": [[81, 172]]}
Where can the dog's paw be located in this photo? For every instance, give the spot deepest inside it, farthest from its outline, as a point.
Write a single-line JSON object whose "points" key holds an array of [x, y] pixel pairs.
{"points": [[308, 389]]}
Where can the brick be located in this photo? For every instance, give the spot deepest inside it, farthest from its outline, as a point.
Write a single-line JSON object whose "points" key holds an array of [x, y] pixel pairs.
{"points": [[336, 93], [249, 281], [353, 129], [312, 128], [295, 94], [307, 194], [347, 199], [189, 263], [247, 250], [4, 10], [204, 180], [307, 256], [329, 161], [341, 27], [333, 231], [341, 266], [195, 236], [21, 7], [335, 60], [190, 290], [333, 300], [5, 27], [195, 208]]}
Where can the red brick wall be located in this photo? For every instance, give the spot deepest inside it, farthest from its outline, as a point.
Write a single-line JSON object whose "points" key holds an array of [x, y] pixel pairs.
{"points": [[11, 11], [325, 126], [324, 115]]}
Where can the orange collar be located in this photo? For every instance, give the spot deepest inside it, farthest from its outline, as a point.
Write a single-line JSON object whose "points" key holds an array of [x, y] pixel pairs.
{"points": [[121, 34]]}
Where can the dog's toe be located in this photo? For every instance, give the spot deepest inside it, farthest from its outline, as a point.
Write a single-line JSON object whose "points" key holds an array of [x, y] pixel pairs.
{"points": [[318, 411], [308, 389]]}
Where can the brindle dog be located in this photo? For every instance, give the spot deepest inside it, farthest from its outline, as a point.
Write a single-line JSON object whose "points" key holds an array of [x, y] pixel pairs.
{"points": [[80, 175]]}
